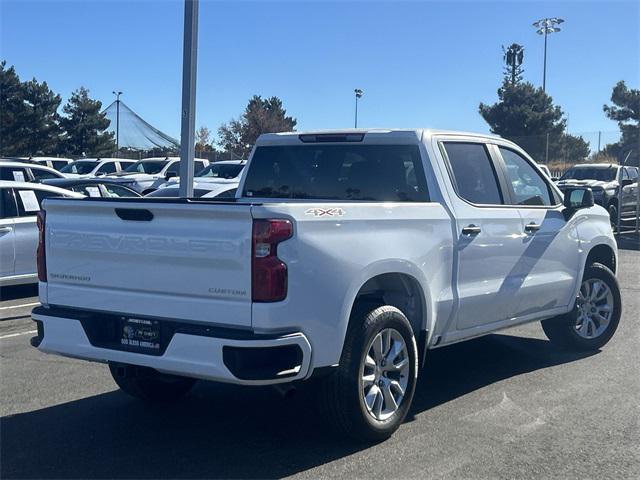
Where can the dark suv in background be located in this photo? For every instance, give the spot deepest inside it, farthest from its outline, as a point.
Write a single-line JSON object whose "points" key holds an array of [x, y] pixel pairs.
{"points": [[602, 178]]}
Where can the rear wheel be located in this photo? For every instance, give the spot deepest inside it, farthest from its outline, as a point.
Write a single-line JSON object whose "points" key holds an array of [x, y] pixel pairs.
{"points": [[594, 320], [148, 384], [369, 395], [613, 214]]}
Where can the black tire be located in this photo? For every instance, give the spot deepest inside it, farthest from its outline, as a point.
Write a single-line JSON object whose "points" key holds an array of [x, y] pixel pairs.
{"points": [[613, 213], [148, 384], [340, 397], [562, 331]]}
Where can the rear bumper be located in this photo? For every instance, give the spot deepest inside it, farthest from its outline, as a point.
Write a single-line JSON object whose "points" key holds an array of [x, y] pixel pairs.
{"points": [[252, 360]]}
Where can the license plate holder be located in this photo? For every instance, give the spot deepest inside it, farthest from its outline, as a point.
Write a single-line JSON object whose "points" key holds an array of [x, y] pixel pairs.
{"points": [[141, 334]]}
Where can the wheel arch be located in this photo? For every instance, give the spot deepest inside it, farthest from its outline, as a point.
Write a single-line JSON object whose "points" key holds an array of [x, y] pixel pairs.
{"points": [[604, 254], [399, 284]]}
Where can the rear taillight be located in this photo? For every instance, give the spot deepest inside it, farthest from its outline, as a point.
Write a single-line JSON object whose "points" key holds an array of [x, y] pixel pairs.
{"points": [[268, 272], [40, 254]]}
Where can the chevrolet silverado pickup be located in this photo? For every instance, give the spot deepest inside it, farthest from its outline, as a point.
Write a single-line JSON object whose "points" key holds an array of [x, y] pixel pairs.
{"points": [[344, 257]]}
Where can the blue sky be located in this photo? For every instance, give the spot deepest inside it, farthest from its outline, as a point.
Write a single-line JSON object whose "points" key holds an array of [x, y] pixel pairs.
{"points": [[421, 64]]}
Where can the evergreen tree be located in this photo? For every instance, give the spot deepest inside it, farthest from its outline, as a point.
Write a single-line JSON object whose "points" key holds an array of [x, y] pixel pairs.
{"points": [[526, 115], [626, 111], [260, 116], [29, 122], [85, 127]]}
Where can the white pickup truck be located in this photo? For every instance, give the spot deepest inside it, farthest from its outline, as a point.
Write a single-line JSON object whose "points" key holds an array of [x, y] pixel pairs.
{"points": [[344, 257]]}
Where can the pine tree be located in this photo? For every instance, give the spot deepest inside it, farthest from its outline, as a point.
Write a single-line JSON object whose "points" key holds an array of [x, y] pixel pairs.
{"points": [[29, 122], [84, 126], [626, 111], [260, 116]]}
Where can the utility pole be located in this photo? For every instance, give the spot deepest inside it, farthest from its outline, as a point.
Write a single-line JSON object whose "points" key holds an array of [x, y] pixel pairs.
{"points": [[359, 94], [117, 94], [545, 26], [189, 70]]}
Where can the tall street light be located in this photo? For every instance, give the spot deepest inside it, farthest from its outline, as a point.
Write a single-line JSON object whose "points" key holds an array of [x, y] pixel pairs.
{"points": [[545, 26], [359, 94], [117, 94]]}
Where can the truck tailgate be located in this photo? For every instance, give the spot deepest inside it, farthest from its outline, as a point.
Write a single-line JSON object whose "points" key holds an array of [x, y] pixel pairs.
{"points": [[186, 261]]}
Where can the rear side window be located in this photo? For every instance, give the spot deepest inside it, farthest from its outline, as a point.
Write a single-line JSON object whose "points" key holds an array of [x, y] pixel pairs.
{"points": [[381, 173], [7, 203], [473, 173], [30, 201], [18, 174]]}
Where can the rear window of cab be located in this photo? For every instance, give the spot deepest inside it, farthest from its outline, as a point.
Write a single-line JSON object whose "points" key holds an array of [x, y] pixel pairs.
{"points": [[384, 173]]}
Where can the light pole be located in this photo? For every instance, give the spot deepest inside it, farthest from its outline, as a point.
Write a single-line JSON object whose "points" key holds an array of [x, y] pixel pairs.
{"points": [[359, 94], [117, 94], [189, 74], [545, 26]]}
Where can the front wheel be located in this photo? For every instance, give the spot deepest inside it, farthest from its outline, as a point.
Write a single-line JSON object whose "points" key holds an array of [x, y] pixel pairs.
{"points": [[369, 395], [148, 384], [594, 320]]}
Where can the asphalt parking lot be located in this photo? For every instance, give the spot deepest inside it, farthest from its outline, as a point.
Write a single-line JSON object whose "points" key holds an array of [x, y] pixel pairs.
{"points": [[508, 405]]}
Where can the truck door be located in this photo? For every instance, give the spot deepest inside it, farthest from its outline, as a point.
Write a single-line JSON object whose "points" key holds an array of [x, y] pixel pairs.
{"points": [[550, 245], [489, 236]]}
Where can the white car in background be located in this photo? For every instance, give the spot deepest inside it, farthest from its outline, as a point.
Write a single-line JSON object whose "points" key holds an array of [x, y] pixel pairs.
{"points": [[52, 162], [26, 172], [95, 167], [220, 190], [148, 174], [217, 177], [19, 204]]}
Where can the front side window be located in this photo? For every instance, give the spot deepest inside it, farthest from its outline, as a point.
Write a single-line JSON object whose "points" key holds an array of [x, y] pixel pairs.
{"points": [[109, 167], [527, 185], [117, 191], [42, 174], [473, 173], [221, 170], [59, 164], [174, 169], [383, 173], [146, 166], [80, 167]]}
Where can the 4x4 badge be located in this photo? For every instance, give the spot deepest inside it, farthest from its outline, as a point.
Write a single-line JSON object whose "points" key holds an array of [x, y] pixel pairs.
{"points": [[325, 212]]}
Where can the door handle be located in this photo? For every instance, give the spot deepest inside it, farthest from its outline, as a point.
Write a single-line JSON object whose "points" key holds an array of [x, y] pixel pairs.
{"points": [[5, 229], [471, 230], [531, 227]]}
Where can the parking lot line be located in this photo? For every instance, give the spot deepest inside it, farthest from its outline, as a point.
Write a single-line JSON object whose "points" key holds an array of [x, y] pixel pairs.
{"points": [[17, 334], [19, 306]]}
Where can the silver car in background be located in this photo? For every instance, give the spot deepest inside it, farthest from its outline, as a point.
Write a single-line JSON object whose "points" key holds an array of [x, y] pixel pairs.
{"points": [[19, 204]]}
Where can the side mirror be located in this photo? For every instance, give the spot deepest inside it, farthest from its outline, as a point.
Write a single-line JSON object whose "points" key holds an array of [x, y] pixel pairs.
{"points": [[577, 198], [626, 182], [170, 175]]}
